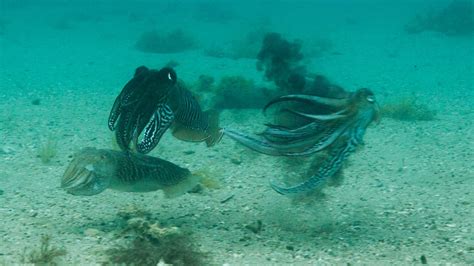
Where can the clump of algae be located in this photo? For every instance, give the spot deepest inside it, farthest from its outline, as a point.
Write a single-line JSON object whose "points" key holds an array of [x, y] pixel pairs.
{"points": [[149, 243], [45, 255], [48, 149], [237, 92], [408, 109]]}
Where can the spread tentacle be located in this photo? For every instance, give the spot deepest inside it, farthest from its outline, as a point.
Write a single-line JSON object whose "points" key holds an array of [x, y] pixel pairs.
{"points": [[332, 165]]}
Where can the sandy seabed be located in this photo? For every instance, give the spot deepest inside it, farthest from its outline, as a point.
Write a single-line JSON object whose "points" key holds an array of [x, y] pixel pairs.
{"points": [[408, 193]]}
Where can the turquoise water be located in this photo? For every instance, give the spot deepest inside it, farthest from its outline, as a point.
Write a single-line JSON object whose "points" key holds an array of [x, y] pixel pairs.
{"points": [[406, 197]]}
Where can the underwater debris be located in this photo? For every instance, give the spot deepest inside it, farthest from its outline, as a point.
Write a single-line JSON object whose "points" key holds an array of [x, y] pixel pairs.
{"points": [[226, 199], [457, 19], [255, 227], [149, 243], [36, 102], [48, 149], [407, 109], [45, 255], [171, 42], [238, 92]]}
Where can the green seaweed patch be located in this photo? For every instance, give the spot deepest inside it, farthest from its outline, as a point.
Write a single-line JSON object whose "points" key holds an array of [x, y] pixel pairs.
{"points": [[204, 83], [48, 149], [408, 109], [45, 255], [171, 42], [456, 19], [149, 243], [238, 92]]}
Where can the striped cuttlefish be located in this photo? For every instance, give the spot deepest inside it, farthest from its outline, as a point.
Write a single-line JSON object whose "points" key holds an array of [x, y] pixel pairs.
{"points": [[337, 133], [154, 101], [94, 170]]}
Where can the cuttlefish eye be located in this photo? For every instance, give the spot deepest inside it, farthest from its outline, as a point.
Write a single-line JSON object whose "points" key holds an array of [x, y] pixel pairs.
{"points": [[371, 98], [170, 74]]}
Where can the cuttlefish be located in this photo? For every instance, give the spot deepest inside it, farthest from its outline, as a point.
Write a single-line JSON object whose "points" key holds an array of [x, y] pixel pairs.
{"points": [[337, 133], [154, 101], [94, 170]]}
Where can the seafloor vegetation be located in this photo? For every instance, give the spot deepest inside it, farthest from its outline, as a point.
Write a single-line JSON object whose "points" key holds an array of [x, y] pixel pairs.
{"points": [[46, 254], [146, 242], [169, 42], [455, 19], [408, 109], [48, 149], [238, 92]]}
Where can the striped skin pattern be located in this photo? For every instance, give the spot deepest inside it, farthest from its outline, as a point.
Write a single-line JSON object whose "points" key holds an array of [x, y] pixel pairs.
{"points": [[337, 134], [154, 101], [138, 103], [95, 170]]}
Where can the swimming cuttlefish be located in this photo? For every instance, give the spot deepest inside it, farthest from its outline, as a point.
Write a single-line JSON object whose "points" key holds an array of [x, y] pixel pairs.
{"points": [[153, 101], [94, 170], [337, 133]]}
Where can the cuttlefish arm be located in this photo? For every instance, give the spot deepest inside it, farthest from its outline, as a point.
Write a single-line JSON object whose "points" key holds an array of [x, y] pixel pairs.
{"points": [[125, 129], [332, 165], [160, 122], [333, 102], [137, 104], [301, 147], [276, 133], [126, 97], [333, 116], [251, 142]]}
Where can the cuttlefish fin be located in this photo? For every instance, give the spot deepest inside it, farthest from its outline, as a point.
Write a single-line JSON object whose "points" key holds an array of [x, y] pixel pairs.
{"points": [[188, 183], [214, 132], [211, 135], [182, 132], [160, 122]]}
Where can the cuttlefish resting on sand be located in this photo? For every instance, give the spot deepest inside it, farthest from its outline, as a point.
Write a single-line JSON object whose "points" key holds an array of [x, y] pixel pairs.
{"points": [[153, 101], [95, 170], [337, 133]]}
